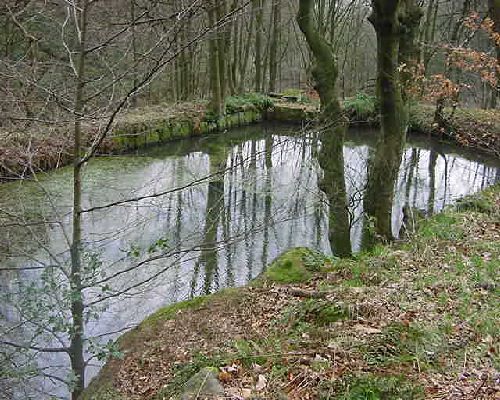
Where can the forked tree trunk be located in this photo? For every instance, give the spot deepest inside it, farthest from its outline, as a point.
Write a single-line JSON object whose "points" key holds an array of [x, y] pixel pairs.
{"points": [[383, 171]]}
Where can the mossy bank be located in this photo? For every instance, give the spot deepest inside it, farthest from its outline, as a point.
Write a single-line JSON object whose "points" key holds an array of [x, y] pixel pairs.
{"points": [[411, 320]]}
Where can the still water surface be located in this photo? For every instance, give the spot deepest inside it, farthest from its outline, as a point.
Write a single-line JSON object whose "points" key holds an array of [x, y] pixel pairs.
{"points": [[209, 213]]}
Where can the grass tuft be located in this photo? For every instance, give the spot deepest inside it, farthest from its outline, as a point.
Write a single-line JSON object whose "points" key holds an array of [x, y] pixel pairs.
{"points": [[372, 387]]}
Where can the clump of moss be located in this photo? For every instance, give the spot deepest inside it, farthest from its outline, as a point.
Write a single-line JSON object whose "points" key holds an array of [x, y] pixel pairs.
{"points": [[102, 392], [169, 312], [294, 266]]}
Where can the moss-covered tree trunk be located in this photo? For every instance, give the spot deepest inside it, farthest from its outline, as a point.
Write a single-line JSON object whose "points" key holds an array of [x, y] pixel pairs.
{"points": [[331, 158], [383, 171]]}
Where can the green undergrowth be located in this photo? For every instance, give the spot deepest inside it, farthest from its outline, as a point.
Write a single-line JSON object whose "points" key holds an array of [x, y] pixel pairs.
{"points": [[373, 387], [244, 101], [401, 343]]}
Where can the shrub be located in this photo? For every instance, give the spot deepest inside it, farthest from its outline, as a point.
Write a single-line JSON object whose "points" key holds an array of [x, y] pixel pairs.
{"points": [[362, 107], [244, 101]]}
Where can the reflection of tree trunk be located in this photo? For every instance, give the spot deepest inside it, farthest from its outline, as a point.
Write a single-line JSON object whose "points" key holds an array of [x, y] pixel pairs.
{"points": [[227, 223], [208, 257], [179, 207], [331, 160], [268, 199], [432, 182], [331, 157], [250, 235], [214, 211], [412, 166]]}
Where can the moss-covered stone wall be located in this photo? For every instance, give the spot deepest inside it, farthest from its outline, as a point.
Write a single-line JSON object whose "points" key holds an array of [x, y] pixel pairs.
{"points": [[130, 136]]}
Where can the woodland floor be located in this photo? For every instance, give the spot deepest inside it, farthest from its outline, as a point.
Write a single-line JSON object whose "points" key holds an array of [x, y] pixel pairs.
{"points": [[412, 320]]}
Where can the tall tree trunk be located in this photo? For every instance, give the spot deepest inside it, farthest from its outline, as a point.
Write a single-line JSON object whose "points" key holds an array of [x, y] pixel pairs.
{"points": [[243, 64], [331, 158], [133, 101], [216, 104], [428, 31], [258, 6], [233, 81], [409, 48], [77, 308], [494, 12], [222, 47], [273, 56], [439, 114]]}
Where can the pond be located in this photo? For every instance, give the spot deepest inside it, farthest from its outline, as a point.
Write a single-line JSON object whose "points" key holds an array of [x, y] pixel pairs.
{"points": [[184, 219]]}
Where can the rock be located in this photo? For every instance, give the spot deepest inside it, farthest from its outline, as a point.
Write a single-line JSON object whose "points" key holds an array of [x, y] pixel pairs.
{"points": [[261, 383], [203, 385]]}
